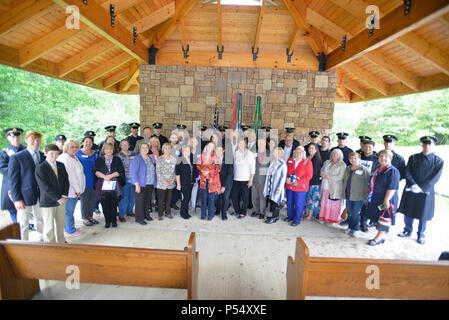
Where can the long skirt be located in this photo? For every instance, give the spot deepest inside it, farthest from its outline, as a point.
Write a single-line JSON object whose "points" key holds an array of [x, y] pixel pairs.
{"points": [[330, 209], [313, 200]]}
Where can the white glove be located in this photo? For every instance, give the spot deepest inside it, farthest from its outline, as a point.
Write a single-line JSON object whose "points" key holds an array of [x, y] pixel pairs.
{"points": [[416, 189]]}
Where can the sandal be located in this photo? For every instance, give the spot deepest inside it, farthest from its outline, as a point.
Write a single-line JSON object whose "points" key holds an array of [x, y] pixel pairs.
{"points": [[373, 242], [88, 223], [93, 221]]}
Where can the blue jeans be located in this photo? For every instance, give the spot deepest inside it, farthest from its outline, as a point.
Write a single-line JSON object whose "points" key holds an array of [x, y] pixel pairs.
{"points": [[126, 205], [296, 200], [13, 214], [409, 226], [69, 219], [207, 202], [354, 208]]}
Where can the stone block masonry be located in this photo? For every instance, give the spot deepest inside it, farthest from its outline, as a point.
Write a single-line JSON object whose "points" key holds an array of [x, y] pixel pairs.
{"points": [[182, 94]]}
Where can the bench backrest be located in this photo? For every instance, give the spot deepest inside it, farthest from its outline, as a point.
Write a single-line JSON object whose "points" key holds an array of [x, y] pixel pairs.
{"points": [[102, 264], [365, 278]]}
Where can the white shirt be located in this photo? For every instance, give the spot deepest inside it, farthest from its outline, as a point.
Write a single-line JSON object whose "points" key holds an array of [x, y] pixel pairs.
{"points": [[287, 151], [244, 165], [75, 172]]}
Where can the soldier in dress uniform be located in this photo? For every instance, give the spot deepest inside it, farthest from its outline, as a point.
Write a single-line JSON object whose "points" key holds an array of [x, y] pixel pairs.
{"points": [[14, 136], [92, 135], [398, 160], [60, 139], [134, 137], [157, 133], [341, 140], [363, 138], [418, 199], [110, 131], [313, 139]]}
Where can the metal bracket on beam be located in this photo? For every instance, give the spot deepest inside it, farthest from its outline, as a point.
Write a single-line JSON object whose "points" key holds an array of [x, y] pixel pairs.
{"points": [[407, 6], [322, 58], [134, 35], [152, 54], [343, 43], [289, 55], [85, 2], [185, 51], [112, 13], [220, 52], [255, 53], [372, 23]]}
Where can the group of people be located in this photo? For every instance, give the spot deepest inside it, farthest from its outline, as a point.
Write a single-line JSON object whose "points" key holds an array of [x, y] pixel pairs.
{"points": [[245, 168]]}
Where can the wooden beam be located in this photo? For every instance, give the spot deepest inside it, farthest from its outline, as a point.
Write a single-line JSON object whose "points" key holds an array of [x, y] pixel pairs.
{"points": [[427, 51], [342, 90], [77, 61], [47, 43], [21, 13], [406, 77], [294, 39], [326, 26], [435, 82], [259, 25], [133, 73], [354, 87], [154, 18], [182, 8], [367, 77], [313, 35], [115, 78], [219, 17], [120, 5], [355, 7], [237, 59], [107, 67], [392, 26], [99, 19], [183, 34]]}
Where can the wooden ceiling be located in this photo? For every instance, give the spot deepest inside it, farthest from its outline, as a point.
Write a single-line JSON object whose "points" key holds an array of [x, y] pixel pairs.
{"points": [[407, 54]]}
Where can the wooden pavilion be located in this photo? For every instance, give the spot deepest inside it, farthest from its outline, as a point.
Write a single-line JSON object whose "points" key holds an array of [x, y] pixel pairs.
{"points": [[407, 54]]}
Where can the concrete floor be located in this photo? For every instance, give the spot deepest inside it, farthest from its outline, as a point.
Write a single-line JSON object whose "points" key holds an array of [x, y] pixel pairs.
{"points": [[238, 259]]}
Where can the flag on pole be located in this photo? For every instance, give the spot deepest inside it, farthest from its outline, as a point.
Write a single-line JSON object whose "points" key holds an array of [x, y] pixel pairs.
{"points": [[234, 112], [258, 115]]}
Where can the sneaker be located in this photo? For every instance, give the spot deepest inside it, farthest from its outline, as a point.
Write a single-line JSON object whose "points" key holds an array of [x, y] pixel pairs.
{"points": [[347, 231], [77, 232], [355, 234]]}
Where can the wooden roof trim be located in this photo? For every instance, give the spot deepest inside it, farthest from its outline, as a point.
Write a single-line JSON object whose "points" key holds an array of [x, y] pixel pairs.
{"points": [[392, 26], [22, 13], [98, 19], [427, 51], [367, 77]]}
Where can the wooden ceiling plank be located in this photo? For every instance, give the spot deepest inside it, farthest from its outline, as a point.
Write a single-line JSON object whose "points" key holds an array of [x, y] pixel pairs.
{"points": [[355, 7], [47, 43], [426, 51], [367, 77], [392, 26], [79, 60], [154, 18], [22, 13], [99, 19], [406, 77], [107, 67], [115, 78]]}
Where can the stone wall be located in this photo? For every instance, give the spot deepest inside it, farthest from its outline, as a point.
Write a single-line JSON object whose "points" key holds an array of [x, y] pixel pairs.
{"points": [[182, 94]]}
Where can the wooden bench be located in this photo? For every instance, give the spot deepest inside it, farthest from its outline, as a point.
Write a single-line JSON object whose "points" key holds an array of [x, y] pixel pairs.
{"points": [[22, 263], [342, 277]]}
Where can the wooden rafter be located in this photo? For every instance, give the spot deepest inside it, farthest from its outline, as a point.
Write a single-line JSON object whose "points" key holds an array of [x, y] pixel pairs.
{"points": [[99, 19], [133, 73], [342, 90], [21, 13], [182, 8], [259, 26], [293, 41], [107, 67], [367, 77], [47, 43], [220, 27], [298, 10], [121, 5], [115, 78], [326, 26], [426, 51], [354, 87], [77, 61], [406, 77], [392, 26], [183, 34], [355, 7], [154, 18]]}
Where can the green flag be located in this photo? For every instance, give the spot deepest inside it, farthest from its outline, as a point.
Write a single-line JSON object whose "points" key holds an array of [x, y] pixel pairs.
{"points": [[258, 115]]}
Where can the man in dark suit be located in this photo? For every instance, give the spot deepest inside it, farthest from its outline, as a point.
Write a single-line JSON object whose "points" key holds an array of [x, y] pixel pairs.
{"points": [[23, 185], [14, 136], [53, 182], [134, 137], [290, 132], [226, 179]]}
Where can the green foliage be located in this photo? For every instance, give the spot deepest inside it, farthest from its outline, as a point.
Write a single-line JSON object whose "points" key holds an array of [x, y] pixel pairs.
{"points": [[408, 117], [34, 102]]}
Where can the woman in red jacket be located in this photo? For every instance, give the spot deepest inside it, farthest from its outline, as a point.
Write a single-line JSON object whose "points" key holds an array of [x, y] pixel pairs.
{"points": [[299, 173]]}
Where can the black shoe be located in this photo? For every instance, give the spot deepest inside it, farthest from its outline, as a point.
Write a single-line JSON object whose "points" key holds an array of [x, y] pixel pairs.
{"points": [[224, 218], [142, 223], [364, 227], [261, 216], [404, 234], [107, 225], [421, 240], [185, 217], [232, 213], [149, 219], [114, 224], [294, 224], [288, 219], [175, 207], [372, 224], [241, 216], [254, 214], [272, 220], [203, 218]]}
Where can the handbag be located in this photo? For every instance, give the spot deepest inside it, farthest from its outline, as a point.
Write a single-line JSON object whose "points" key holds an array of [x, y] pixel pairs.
{"points": [[386, 221]]}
